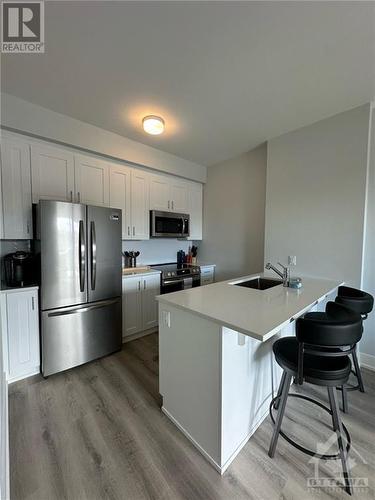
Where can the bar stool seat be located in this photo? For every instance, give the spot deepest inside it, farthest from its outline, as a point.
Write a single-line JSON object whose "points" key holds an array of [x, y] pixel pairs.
{"points": [[315, 368]]}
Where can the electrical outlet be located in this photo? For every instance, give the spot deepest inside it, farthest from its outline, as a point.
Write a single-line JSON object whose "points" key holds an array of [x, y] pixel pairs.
{"points": [[292, 260], [167, 318]]}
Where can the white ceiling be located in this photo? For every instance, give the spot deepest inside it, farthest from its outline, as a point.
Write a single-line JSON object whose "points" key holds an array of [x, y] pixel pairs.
{"points": [[225, 76]]}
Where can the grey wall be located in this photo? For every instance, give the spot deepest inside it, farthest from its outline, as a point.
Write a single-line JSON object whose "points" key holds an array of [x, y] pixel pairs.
{"points": [[368, 277], [233, 220], [316, 182], [25, 117]]}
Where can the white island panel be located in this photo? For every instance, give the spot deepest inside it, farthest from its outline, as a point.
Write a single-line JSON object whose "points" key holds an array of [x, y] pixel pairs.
{"points": [[189, 377]]}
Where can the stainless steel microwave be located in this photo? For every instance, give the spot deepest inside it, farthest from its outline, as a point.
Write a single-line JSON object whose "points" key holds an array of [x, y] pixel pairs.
{"points": [[169, 225]]}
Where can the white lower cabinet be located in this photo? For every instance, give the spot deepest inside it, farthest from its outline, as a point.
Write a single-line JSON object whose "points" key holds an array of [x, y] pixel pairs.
{"points": [[21, 342], [139, 306]]}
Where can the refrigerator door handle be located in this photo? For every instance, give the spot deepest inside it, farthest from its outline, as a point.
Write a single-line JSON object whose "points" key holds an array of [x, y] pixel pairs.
{"points": [[79, 309], [82, 256], [93, 255]]}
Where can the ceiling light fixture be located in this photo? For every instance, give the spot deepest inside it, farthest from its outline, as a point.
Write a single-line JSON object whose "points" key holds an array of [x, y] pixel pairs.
{"points": [[153, 125]]}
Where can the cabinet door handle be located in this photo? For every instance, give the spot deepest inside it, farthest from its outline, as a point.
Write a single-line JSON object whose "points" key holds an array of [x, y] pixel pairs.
{"points": [[133, 230], [139, 285], [144, 284], [79, 197], [128, 230], [71, 196], [32, 303], [169, 203], [172, 205], [28, 227]]}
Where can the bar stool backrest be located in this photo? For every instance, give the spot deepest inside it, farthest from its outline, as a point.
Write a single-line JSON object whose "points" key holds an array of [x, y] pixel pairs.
{"points": [[341, 327]]}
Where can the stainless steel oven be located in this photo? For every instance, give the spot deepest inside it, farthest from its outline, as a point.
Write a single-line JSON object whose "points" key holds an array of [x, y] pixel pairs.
{"points": [[169, 225]]}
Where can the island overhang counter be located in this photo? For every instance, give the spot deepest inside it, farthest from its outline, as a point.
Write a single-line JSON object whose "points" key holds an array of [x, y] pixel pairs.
{"points": [[217, 374]]}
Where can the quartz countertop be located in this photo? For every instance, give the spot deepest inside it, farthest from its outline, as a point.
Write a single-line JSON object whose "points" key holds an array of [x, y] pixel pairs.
{"points": [[259, 314], [130, 272], [10, 289]]}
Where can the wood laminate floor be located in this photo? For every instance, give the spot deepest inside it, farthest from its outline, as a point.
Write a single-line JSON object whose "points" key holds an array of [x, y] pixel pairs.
{"points": [[97, 432]]}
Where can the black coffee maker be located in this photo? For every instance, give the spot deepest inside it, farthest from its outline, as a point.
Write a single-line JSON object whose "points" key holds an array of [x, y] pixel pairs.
{"points": [[18, 269]]}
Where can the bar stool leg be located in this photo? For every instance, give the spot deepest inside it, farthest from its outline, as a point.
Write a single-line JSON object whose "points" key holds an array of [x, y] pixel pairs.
{"points": [[279, 392], [280, 414], [358, 371], [344, 392], [332, 395]]}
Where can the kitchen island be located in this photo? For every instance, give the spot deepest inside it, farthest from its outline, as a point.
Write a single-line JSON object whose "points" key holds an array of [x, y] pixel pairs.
{"points": [[217, 373]]}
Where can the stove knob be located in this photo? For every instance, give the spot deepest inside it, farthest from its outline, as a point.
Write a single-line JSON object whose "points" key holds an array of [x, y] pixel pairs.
{"points": [[168, 273]]}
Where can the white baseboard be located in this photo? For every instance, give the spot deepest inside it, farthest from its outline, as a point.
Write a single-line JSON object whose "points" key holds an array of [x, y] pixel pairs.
{"points": [[192, 440], [35, 371], [367, 361], [217, 467], [138, 335]]}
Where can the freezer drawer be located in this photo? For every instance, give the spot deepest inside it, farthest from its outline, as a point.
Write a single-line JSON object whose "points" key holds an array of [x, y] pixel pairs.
{"points": [[75, 335]]}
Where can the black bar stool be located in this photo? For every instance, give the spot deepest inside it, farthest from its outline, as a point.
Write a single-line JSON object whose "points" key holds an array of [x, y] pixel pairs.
{"points": [[313, 356], [362, 303]]}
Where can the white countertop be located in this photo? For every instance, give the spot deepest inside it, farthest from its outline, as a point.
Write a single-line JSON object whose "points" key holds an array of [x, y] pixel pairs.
{"points": [[28, 288], [131, 272], [257, 313]]}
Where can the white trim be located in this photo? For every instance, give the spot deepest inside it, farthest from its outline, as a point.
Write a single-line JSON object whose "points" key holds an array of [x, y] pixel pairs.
{"points": [[138, 335], [35, 371], [217, 467], [192, 440], [367, 361], [368, 163]]}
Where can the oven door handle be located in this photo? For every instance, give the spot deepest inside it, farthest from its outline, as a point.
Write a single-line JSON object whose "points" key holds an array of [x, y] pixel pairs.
{"points": [[172, 282]]}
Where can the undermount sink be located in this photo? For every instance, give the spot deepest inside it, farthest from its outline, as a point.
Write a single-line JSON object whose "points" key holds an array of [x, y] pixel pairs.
{"points": [[259, 283]]}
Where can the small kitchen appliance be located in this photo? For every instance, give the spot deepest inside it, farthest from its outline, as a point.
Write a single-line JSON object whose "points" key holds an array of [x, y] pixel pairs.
{"points": [[19, 269]]}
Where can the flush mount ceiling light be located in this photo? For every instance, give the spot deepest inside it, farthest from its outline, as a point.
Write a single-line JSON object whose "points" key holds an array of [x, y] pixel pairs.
{"points": [[153, 125]]}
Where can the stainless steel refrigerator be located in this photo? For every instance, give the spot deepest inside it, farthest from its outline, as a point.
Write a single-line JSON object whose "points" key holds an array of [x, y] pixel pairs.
{"points": [[81, 283]]}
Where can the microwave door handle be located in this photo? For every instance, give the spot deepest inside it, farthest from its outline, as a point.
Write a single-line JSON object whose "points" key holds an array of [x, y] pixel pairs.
{"points": [[183, 227], [82, 256]]}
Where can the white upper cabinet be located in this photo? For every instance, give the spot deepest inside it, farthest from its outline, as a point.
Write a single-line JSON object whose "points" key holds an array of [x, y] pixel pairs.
{"points": [[52, 171], [195, 210], [168, 194], [129, 190], [140, 205], [91, 181], [160, 193], [119, 195], [16, 190], [179, 196]]}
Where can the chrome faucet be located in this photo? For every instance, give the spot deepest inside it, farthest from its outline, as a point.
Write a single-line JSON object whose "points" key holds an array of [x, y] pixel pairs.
{"points": [[284, 275]]}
